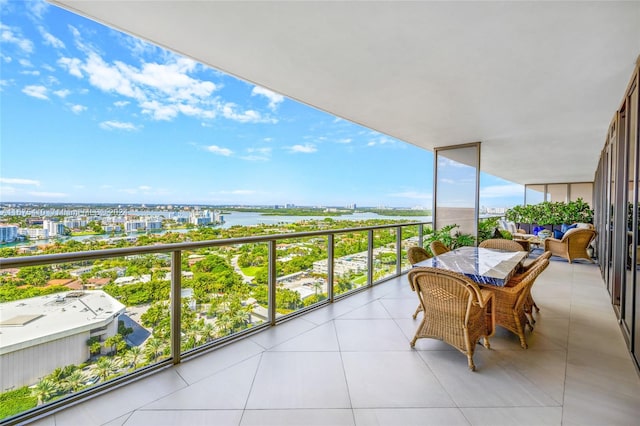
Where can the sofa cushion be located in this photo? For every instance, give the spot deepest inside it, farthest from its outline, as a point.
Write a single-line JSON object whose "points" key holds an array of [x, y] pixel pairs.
{"points": [[558, 234], [565, 227]]}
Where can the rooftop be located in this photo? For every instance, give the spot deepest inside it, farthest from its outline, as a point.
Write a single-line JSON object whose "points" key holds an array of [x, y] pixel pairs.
{"points": [[351, 363], [54, 316]]}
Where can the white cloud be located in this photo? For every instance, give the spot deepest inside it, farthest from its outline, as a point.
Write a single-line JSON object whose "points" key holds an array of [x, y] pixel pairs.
{"points": [[381, 140], [11, 35], [218, 150], [25, 63], [274, 98], [77, 109], [48, 194], [121, 104], [4, 83], [345, 140], [48, 67], [496, 191], [106, 186], [72, 65], [62, 93], [119, 125], [144, 188], [305, 149], [6, 59], [50, 39], [257, 154], [447, 180], [37, 8], [39, 92], [32, 72], [248, 116], [20, 181]]}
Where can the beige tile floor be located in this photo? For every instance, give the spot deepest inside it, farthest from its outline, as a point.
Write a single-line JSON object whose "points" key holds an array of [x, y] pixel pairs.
{"points": [[351, 364]]}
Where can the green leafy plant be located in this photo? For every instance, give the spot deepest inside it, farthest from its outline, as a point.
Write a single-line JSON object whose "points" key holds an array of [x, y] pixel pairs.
{"points": [[551, 213], [449, 237]]}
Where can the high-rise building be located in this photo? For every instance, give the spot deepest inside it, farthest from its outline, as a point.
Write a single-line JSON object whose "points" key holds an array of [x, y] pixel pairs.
{"points": [[8, 233]]}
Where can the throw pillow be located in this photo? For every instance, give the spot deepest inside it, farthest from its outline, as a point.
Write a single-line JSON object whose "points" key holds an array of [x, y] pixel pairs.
{"points": [[497, 234], [558, 234], [565, 227]]}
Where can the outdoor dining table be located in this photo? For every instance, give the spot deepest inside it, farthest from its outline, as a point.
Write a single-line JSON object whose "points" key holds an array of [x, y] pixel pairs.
{"points": [[482, 265]]}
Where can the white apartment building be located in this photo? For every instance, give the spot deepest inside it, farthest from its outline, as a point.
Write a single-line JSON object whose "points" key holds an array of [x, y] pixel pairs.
{"points": [[74, 223], [8, 233], [153, 224], [134, 225], [52, 331], [35, 233], [54, 227]]}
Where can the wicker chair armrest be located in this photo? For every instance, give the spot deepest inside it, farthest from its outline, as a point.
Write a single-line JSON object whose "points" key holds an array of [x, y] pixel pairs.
{"points": [[548, 242], [486, 296]]}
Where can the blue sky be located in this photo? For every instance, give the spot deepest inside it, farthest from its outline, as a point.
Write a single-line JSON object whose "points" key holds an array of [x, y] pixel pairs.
{"points": [[89, 114]]}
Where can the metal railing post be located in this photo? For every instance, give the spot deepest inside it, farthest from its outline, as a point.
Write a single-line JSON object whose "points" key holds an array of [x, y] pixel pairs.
{"points": [[370, 258], [271, 308], [330, 264], [421, 235], [176, 305], [398, 250]]}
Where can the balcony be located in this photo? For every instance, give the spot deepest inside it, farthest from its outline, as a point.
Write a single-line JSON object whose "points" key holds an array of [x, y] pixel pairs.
{"points": [[350, 363]]}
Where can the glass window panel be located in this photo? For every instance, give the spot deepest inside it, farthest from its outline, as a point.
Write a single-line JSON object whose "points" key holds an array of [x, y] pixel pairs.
{"points": [[557, 192], [582, 190], [350, 267], [384, 253], [534, 194], [456, 188]]}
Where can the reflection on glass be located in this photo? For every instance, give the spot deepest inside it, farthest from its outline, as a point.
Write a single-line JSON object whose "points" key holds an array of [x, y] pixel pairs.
{"points": [[456, 198], [384, 253], [95, 316], [557, 192], [350, 263], [534, 194]]}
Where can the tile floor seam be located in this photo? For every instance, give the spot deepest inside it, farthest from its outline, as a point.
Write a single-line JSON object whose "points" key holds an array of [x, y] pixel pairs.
{"points": [[253, 381], [344, 371]]}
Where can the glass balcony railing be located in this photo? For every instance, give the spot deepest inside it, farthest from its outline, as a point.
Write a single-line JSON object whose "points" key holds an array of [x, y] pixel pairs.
{"points": [[126, 311]]}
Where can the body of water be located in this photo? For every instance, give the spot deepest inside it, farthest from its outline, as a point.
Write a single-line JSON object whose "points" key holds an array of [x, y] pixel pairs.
{"points": [[234, 219]]}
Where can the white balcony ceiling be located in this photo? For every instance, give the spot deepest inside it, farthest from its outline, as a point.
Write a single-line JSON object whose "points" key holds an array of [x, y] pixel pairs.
{"points": [[536, 82]]}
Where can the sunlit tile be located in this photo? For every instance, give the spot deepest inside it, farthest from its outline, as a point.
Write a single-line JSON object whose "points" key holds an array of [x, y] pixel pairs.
{"points": [[392, 379], [227, 389], [333, 417], [322, 338], [370, 335], [410, 417], [204, 365], [185, 418], [299, 380], [509, 416]]}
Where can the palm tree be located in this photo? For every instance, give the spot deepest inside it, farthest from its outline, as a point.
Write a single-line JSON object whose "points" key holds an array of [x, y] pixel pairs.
{"points": [[74, 381], [45, 390], [133, 356], [153, 346], [105, 367]]}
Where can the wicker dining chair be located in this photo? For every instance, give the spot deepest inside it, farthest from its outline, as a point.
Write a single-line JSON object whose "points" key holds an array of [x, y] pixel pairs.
{"points": [[456, 310], [417, 254], [510, 302], [438, 248], [501, 244], [530, 303]]}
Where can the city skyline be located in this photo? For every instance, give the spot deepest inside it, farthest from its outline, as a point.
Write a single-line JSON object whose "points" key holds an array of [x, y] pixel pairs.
{"points": [[91, 115]]}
